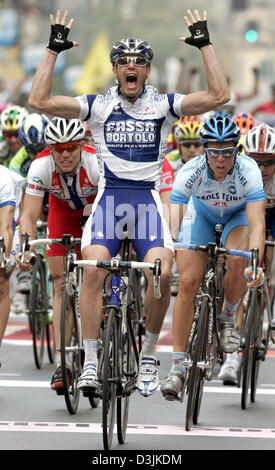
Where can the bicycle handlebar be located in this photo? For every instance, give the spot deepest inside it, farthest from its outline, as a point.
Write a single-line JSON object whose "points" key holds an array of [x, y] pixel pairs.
{"points": [[217, 250], [66, 240], [253, 254], [116, 264]]}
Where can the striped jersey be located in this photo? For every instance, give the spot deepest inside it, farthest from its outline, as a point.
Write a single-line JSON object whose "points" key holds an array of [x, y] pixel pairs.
{"points": [[77, 191], [130, 139]]}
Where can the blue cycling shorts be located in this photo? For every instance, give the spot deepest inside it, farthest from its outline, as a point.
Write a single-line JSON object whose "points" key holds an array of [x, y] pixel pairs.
{"points": [[137, 212], [196, 228]]}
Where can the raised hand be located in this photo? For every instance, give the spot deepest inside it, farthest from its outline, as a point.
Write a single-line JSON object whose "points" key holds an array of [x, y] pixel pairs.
{"points": [[59, 32], [198, 29]]}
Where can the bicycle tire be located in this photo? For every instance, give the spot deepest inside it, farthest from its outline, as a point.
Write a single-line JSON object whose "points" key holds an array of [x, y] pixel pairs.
{"points": [[50, 342], [38, 310], [128, 375], [137, 283], [70, 391], [195, 378], [247, 357], [258, 351], [49, 326], [109, 378]]}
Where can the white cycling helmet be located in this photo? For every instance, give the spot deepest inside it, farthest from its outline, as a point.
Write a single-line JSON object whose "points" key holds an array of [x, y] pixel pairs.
{"points": [[131, 46], [260, 140], [61, 130]]}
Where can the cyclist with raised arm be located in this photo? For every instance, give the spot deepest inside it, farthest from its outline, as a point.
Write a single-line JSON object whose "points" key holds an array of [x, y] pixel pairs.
{"points": [[68, 170], [221, 186], [130, 125]]}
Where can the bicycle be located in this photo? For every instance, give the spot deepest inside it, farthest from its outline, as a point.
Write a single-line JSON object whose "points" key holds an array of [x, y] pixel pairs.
{"points": [[255, 340], [71, 344], [119, 354], [39, 308], [203, 350]]}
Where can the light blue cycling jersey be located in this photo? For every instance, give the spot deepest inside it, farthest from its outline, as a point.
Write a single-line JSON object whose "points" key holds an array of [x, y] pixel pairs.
{"points": [[130, 139], [218, 200]]}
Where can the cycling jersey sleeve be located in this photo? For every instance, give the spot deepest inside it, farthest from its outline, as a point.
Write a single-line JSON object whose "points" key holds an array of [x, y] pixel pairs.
{"points": [[167, 177], [86, 102], [187, 180], [7, 190], [38, 178]]}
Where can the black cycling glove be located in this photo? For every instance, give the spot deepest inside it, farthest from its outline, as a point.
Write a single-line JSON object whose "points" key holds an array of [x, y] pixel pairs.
{"points": [[200, 35], [58, 39]]}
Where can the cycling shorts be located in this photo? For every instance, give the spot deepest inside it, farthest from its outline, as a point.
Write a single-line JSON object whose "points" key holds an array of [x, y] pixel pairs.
{"points": [[196, 228], [139, 212], [62, 219]]}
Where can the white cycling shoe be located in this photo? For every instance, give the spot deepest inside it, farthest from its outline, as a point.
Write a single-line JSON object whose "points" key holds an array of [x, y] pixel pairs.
{"points": [[230, 338], [229, 370], [172, 385], [148, 379], [88, 378]]}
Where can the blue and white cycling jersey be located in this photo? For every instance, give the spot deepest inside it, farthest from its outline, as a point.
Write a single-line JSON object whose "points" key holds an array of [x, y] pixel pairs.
{"points": [[214, 199], [130, 139]]}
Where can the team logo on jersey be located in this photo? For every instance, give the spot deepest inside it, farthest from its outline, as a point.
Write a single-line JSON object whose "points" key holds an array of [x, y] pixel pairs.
{"points": [[232, 189], [130, 131], [117, 109]]}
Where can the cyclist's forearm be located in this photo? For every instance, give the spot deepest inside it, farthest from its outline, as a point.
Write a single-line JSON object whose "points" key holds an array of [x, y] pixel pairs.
{"points": [[6, 227], [177, 212], [257, 239], [7, 233], [216, 80], [39, 96]]}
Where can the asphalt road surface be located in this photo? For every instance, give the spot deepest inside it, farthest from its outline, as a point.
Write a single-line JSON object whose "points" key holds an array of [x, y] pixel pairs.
{"points": [[33, 417]]}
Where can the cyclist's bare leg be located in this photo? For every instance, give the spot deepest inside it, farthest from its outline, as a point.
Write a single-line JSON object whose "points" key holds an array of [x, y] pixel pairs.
{"points": [[4, 303], [91, 292], [56, 265], [155, 309], [234, 280], [191, 266]]}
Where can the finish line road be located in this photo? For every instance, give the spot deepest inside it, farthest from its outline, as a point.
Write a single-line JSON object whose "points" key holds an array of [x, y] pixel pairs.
{"points": [[33, 417]]}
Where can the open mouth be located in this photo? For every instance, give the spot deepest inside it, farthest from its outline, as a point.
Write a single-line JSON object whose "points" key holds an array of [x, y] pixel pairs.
{"points": [[131, 80]]}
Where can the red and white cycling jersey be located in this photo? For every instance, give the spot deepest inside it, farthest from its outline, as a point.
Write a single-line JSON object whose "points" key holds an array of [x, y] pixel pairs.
{"points": [[167, 177], [76, 191]]}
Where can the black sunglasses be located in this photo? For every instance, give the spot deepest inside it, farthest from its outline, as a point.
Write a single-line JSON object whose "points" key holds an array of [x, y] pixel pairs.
{"points": [[265, 163], [188, 144]]}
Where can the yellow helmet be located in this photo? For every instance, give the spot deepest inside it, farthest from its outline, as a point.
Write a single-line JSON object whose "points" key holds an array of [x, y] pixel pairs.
{"points": [[188, 128], [12, 118]]}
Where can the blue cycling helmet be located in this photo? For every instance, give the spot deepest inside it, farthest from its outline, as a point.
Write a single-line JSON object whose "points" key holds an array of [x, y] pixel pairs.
{"points": [[220, 128], [131, 46], [31, 133]]}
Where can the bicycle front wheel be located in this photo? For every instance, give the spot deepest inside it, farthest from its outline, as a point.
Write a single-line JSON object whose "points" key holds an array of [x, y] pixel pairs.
{"points": [[127, 384], [251, 323], [109, 377], [70, 351], [49, 322], [196, 375], [258, 353], [38, 310]]}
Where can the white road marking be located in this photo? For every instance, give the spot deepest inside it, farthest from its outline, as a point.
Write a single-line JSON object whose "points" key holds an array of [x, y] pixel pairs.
{"points": [[207, 388], [138, 429]]}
